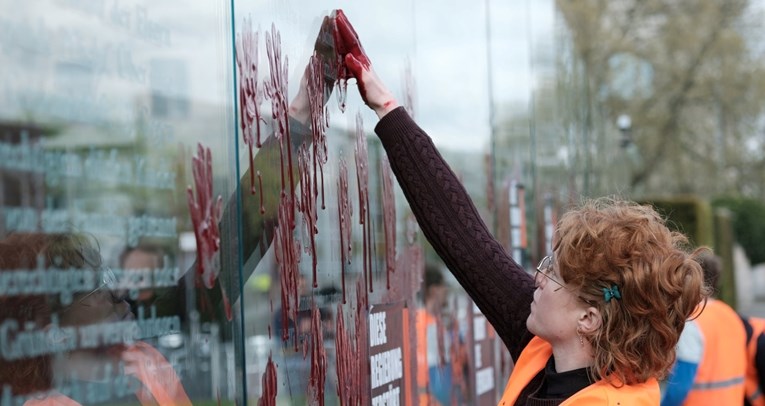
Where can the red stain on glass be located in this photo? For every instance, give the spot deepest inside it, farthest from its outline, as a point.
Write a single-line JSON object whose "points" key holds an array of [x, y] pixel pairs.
{"points": [[268, 398], [362, 179], [307, 205], [318, 359], [344, 212], [351, 352], [250, 95], [310, 165], [205, 212], [345, 363], [319, 121], [287, 251], [276, 90], [347, 42], [260, 193], [389, 218]]}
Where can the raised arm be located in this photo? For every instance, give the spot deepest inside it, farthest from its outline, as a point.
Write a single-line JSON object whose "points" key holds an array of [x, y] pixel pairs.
{"points": [[498, 285], [257, 213]]}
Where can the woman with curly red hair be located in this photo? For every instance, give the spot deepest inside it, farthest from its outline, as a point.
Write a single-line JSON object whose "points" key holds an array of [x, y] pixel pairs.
{"points": [[598, 322]]}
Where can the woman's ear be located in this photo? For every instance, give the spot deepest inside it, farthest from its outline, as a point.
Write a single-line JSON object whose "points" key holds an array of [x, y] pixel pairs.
{"points": [[590, 320]]}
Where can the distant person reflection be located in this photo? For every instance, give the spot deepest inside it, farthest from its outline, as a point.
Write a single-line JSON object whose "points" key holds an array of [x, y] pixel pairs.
{"points": [[86, 351]]}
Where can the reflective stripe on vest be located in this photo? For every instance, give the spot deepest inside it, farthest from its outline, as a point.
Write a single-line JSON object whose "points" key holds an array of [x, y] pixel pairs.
{"points": [[718, 385], [720, 378]]}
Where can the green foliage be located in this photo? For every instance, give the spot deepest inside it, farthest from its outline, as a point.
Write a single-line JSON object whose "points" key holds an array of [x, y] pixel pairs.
{"points": [[748, 224], [689, 215]]}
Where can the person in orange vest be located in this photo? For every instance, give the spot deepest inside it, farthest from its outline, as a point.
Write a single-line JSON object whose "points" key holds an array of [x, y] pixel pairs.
{"points": [[599, 320], [67, 322], [719, 378], [755, 366], [433, 370]]}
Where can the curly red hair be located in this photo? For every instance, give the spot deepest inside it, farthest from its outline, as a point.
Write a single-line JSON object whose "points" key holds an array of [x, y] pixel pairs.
{"points": [[608, 242]]}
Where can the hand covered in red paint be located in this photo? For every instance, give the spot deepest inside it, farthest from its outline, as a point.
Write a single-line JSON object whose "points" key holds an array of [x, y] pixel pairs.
{"points": [[373, 91]]}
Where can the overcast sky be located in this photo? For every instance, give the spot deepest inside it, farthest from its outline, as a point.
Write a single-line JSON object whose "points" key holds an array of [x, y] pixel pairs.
{"points": [[444, 42]]}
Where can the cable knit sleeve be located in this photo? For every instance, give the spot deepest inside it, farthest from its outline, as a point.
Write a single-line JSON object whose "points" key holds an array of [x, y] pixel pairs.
{"points": [[498, 285]]}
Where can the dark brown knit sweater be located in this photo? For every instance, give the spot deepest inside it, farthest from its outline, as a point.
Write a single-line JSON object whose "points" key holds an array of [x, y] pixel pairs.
{"points": [[498, 285]]}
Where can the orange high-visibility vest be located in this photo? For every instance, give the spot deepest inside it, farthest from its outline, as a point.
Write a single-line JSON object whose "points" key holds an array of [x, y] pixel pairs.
{"points": [[161, 385], [752, 382], [720, 377], [534, 358], [424, 321]]}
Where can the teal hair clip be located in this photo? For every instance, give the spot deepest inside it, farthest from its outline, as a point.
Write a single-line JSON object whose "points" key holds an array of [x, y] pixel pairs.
{"points": [[611, 293]]}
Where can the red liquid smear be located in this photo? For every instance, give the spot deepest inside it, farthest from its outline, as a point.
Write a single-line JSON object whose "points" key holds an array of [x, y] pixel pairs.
{"points": [[318, 359], [362, 340], [250, 96], [205, 215], [260, 191], [351, 354], [389, 218], [319, 124], [276, 90], [346, 42], [344, 211], [319, 121], [287, 251], [307, 205], [362, 180], [268, 398]]}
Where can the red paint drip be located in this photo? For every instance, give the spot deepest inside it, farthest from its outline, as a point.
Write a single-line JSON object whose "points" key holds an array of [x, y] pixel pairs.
{"points": [[344, 212], [276, 90], [351, 354], [347, 43], [362, 340], [260, 189], [347, 387], [268, 398], [287, 251], [319, 121], [250, 95], [318, 359], [205, 215], [389, 218], [362, 180], [307, 205]]}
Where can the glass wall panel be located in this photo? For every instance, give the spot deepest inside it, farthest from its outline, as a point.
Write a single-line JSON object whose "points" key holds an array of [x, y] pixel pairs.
{"points": [[116, 138], [175, 230]]}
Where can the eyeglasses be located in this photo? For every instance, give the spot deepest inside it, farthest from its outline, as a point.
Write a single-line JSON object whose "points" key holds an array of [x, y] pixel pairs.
{"points": [[107, 280], [545, 269]]}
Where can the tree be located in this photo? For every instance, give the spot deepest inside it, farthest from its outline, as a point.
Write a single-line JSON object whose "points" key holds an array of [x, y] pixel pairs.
{"points": [[692, 79]]}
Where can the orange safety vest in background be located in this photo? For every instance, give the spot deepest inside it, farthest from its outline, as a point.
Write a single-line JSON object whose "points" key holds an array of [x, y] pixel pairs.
{"points": [[161, 385], [425, 320], [534, 358], [720, 376], [752, 382]]}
